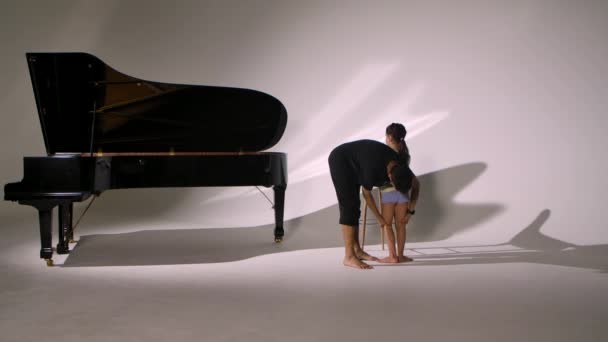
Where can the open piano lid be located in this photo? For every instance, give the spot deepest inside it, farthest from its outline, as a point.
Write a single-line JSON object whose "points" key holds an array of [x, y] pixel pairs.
{"points": [[86, 106]]}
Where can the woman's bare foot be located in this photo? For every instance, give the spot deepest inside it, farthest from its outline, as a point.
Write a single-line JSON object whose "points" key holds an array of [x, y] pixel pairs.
{"points": [[389, 260], [364, 256], [356, 263], [404, 258]]}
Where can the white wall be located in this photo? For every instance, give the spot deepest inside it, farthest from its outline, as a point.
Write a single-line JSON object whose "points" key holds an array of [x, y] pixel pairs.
{"points": [[504, 101]]}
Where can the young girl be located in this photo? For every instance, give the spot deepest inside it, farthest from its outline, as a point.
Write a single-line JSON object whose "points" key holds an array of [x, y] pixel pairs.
{"points": [[398, 206]]}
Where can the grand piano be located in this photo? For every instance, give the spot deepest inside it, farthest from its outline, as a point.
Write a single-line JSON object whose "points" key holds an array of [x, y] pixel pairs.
{"points": [[106, 130]]}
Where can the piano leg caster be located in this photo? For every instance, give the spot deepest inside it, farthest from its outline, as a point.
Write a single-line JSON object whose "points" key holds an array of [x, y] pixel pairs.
{"points": [[49, 262], [278, 234]]}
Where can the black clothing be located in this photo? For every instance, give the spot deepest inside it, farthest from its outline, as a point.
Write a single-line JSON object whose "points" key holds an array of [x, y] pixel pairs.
{"points": [[355, 164]]}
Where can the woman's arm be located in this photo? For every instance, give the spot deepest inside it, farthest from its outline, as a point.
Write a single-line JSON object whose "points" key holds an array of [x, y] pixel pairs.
{"points": [[371, 203], [414, 191]]}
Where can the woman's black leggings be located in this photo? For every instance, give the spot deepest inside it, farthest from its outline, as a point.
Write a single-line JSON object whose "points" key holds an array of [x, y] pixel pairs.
{"points": [[346, 182]]}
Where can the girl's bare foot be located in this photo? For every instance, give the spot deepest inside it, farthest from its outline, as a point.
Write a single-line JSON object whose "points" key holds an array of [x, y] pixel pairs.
{"points": [[356, 263], [404, 258], [389, 260]]}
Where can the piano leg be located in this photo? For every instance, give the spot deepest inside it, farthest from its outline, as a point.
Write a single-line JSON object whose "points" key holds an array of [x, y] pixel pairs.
{"points": [[279, 205], [45, 215], [46, 234], [70, 236], [65, 223]]}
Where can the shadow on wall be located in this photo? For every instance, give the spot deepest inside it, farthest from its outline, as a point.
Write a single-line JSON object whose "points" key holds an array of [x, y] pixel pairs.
{"points": [[443, 218], [170, 247], [320, 230], [438, 216], [316, 230], [529, 246]]}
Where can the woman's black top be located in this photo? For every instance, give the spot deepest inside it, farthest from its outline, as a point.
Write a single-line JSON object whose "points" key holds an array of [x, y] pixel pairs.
{"points": [[368, 159]]}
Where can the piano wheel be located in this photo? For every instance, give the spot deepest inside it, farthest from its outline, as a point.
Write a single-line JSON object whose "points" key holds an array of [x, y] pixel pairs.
{"points": [[49, 262], [73, 241], [278, 239]]}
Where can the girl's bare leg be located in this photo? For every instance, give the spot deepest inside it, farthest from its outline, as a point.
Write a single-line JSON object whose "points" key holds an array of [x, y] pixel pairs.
{"points": [[388, 210], [400, 218], [351, 259]]}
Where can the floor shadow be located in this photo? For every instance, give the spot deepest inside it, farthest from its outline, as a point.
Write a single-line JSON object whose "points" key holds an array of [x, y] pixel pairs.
{"points": [[208, 245], [195, 246], [529, 246], [170, 247], [440, 217]]}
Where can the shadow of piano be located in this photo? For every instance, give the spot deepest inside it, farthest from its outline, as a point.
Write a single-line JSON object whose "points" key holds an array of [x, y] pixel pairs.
{"points": [[200, 246]]}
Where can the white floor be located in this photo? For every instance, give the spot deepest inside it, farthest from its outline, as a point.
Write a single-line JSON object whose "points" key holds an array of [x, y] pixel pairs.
{"points": [[235, 284]]}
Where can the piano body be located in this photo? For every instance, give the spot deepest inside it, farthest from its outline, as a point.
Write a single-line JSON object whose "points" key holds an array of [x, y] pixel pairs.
{"points": [[105, 130]]}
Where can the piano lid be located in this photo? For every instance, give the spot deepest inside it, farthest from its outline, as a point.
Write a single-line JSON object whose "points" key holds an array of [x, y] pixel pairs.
{"points": [[84, 105]]}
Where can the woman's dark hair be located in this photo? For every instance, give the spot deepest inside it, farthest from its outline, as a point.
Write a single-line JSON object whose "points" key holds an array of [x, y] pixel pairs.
{"points": [[397, 132], [402, 177]]}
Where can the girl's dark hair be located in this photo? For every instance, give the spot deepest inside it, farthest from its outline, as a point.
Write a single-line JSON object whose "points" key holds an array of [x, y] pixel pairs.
{"points": [[397, 132]]}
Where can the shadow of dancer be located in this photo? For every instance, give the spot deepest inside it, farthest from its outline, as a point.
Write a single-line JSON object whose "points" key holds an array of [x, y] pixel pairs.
{"points": [[528, 246], [438, 217]]}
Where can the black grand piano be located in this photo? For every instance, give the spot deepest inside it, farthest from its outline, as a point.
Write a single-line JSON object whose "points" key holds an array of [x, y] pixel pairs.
{"points": [[105, 130]]}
